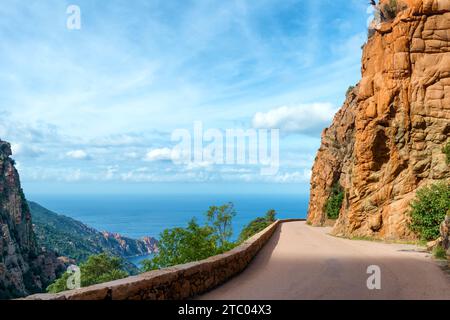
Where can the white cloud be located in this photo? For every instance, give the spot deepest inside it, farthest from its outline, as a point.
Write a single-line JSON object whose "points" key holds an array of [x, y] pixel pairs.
{"points": [[77, 154], [220, 63], [306, 118], [162, 154]]}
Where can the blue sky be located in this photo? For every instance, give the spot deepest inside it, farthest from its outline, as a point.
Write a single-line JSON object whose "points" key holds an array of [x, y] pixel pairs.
{"points": [[83, 109]]}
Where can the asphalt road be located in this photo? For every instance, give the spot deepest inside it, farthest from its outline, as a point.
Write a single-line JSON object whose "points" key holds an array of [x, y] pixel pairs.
{"points": [[303, 262]]}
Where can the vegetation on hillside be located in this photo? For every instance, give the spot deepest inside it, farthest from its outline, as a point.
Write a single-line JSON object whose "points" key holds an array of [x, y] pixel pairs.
{"points": [[334, 202], [257, 225], [428, 210], [97, 269], [73, 239]]}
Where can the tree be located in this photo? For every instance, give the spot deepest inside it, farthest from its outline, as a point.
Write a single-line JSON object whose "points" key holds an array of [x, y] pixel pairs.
{"points": [[270, 215], [97, 269], [183, 245], [195, 242], [101, 268], [257, 225], [428, 210], [220, 218]]}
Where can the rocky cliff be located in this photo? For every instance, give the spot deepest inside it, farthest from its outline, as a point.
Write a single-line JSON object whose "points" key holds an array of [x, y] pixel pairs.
{"points": [[127, 247], [73, 239], [387, 140], [24, 267]]}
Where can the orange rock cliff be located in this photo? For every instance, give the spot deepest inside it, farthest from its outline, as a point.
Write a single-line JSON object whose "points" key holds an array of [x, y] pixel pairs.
{"points": [[387, 140]]}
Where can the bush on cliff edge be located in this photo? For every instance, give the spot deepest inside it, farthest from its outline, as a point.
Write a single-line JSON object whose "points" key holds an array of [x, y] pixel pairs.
{"points": [[334, 202], [428, 210], [257, 225]]}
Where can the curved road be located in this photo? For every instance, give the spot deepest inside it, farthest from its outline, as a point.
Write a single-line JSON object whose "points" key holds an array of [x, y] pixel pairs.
{"points": [[303, 262]]}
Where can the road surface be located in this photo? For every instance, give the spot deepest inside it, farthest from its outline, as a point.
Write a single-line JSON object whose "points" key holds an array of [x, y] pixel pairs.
{"points": [[303, 262]]}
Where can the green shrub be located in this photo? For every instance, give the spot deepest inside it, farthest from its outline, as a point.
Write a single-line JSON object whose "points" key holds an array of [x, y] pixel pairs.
{"points": [[446, 150], [195, 242], [257, 225], [439, 253], [101, 268], [428, 210], [334, 202], [60, 284], [183, 245], [97, 269], [349, 90], [391, 9]]}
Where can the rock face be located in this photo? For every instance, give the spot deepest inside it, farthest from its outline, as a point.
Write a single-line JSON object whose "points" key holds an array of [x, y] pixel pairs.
{"points": [[127, 247], [24, 268], [387, 140]]}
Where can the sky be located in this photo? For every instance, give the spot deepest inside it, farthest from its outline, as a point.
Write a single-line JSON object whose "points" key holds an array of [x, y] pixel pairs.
{"points": [[93, 110]]}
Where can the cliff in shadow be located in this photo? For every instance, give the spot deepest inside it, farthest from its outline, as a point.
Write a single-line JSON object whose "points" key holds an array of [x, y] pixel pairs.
{"points": [[24, 267]]}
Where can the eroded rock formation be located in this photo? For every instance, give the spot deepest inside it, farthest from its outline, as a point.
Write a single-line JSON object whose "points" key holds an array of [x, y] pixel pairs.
{"points": [[24, 268], [386, 141]]}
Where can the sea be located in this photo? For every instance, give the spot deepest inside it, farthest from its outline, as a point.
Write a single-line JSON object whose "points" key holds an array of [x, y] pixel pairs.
{"points": [[136, 216]]}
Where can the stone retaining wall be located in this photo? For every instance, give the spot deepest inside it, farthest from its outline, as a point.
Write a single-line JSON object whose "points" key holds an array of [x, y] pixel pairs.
{"points": [[178, 282]]}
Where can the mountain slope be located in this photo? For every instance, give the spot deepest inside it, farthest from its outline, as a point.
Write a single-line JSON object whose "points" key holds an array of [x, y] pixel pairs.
{"points": [[71, 238]]}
